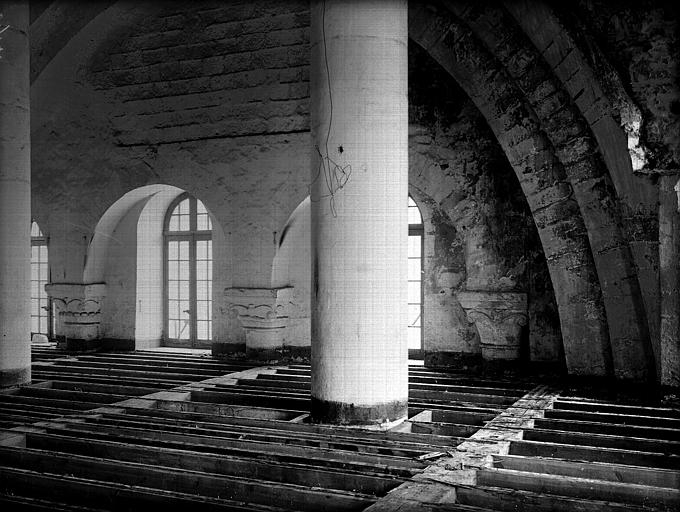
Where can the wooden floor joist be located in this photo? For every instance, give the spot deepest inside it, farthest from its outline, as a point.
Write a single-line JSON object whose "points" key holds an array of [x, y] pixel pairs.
{"points": [[114, 431]]}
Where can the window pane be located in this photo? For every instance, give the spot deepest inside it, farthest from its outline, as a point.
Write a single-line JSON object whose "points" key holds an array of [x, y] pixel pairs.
{"points": [[184, 270], [184, 309], [414, 314], [173, 250], [184, 251], [173, 270], [184, 223], [172, 329], [414, 216], [183, 207], [202, 290], [414, 338], [414, 269], [174, 223], [202, 331], [173, 290], [414, 292], [202, 310], [200, 208], [184, 290], [202, 222], [202, 270], [414, 246], [173, 309], [184, 330], [43, 277]]}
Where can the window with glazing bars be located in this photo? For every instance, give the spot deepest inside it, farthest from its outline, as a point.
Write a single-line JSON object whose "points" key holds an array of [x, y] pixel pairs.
{"points": [[188, 273]]}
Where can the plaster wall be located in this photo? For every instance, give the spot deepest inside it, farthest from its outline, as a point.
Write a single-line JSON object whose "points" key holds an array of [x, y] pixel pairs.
{"points": [[119, 305]]}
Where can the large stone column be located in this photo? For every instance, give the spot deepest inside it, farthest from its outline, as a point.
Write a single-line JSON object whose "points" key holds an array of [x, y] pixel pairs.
{"points": [[669, 278], [359, 206], [15, 196]]}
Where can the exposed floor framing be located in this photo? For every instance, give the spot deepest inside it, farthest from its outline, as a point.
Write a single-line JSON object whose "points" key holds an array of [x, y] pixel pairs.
{"points": [[121, 431]]}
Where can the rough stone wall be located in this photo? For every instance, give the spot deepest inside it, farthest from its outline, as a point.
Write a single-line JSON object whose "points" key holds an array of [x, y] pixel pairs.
{"points": [[210, 69], [212, 98], [93, 136], [642, 41], [484, 236]]}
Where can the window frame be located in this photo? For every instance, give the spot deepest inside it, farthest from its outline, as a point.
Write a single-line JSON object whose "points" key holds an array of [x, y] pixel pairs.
{"points": [[193, 235], [419, 230], [42, 241]]}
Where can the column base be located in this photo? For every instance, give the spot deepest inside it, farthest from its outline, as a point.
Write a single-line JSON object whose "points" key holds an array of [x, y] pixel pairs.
{"points": [[78, 345], [365, 416], [228, 350], [14, 377], [454, 360]]}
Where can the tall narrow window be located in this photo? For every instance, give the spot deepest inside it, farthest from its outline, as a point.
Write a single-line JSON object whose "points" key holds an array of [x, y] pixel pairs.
{"points": [[40, 303], [415, 268], [188, 270]]}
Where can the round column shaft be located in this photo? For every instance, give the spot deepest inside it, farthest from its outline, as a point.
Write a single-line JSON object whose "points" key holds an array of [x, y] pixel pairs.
{"points": [[359, 122], [15, 196]]}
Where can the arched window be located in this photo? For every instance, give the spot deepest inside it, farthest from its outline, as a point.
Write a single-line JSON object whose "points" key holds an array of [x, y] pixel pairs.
{"points": [[41, 311], [415, 270], [188, 273]]}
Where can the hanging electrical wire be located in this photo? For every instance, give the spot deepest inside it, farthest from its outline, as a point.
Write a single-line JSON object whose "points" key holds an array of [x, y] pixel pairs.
{"points": [[335, 175]]}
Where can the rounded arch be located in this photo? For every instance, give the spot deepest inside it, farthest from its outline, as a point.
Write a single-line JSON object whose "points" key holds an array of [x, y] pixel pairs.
{"points": [[99, 247], [550, 197], [292, 266], [547, 92], [126, 253]]}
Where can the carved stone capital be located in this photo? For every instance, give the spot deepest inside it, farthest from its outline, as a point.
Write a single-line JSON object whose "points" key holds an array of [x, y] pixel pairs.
{"points": [[262, 312], [499, 318], [77, 309]]}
